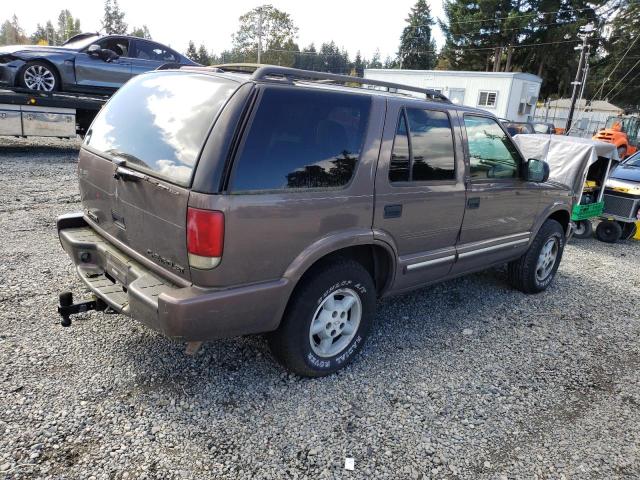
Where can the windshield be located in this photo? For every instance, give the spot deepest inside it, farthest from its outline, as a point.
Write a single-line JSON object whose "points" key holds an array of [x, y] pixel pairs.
{"points": [[158, 122], [633, 160], [81, 43]]}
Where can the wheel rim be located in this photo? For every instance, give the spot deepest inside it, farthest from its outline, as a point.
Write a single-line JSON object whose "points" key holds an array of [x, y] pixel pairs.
{"points": [[335, 323], [37, 77], [547, 259], [580, 229]]}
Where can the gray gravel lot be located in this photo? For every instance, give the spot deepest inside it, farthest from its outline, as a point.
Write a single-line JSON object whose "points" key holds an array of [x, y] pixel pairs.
{"points": [[468, 379]]}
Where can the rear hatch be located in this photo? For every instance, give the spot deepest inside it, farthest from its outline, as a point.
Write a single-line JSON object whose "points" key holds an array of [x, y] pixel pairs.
{"points": [[138, 158]]}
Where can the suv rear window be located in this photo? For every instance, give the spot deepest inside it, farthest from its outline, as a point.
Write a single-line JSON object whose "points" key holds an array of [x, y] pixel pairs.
{"points": [[301, 139], [158, 122]]}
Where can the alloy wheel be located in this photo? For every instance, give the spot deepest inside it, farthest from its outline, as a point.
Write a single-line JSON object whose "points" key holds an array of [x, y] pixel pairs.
{"points": [[37, 77], [547, 259], [335, 323]]}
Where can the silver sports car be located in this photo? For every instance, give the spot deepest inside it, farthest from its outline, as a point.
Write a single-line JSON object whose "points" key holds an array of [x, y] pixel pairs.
{"points": [[89, 63]]}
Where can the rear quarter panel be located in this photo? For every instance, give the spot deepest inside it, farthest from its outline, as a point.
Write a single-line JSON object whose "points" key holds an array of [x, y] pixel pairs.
{"points": [[268, 234]]}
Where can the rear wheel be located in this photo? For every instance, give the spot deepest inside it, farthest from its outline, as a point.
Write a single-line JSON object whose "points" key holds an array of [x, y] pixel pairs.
{"points": [[608, 231], [39, 76], [327, 320], [536, 269], [583, 229]]}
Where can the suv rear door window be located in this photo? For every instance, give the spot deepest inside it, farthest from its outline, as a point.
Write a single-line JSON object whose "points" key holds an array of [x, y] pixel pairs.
{"points": [[428, 155], [158, 122], [492, 155], [302, 139]]}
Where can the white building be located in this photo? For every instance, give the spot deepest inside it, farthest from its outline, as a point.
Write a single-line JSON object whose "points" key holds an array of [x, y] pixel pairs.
{"points": [[587, 118], [510, 95]]}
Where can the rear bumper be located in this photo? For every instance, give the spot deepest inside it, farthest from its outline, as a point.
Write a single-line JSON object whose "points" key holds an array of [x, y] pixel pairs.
{"points": [[187, 313]]}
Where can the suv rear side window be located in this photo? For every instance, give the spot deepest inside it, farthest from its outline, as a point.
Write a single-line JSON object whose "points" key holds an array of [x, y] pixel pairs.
{"points": [[428, 155], [301, 139], [158, 122], [491, 152]]}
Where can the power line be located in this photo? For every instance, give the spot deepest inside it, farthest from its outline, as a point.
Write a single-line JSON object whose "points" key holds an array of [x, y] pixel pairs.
{"points": [[626, 85], [625, 76], [525, 15], [601, 89]]}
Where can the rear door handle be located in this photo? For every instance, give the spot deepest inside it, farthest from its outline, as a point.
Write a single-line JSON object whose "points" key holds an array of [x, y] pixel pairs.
{"points": [[126, 174], [473, 202], [392, 211]]}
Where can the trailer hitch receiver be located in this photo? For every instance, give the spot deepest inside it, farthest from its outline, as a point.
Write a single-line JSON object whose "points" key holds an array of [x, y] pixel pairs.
{"points": [[68, 308]]}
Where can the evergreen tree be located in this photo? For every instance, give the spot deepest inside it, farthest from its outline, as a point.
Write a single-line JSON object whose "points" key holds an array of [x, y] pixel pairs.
{"points": [[141, 32], [500, 35], [11, 33], [113, 20], [417, 48], [67, 26], [614, 76], [274, 27], [203, 57], [39, 37], [358, 65], [191, 52], [375, 60]]}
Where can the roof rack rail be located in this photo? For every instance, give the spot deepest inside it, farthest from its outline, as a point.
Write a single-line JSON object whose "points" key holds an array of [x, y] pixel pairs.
{"points": [[263, 72]]}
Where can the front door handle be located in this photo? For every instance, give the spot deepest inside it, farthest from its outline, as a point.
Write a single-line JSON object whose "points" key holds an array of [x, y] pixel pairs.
{"points": [[473, 202], [392, 211]]}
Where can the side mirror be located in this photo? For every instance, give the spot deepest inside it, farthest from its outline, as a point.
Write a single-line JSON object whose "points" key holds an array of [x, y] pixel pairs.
{"points": [[94, 50], [537, 170]]}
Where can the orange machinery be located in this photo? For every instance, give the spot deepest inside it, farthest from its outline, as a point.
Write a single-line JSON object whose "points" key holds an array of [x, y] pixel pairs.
{"points": [[622, 131]]}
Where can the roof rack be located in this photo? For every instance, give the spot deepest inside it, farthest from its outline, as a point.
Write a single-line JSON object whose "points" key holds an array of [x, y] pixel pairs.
{"points": [[263, 72]]}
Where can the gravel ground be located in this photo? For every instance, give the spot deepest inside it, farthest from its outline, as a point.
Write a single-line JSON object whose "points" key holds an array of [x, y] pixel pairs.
{"points": [[467, 379]]}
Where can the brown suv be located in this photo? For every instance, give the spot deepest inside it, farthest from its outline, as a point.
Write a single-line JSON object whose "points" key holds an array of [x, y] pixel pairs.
{"points": [[221, 203]]}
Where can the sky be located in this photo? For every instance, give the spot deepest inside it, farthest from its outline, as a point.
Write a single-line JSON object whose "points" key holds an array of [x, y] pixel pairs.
{"points": [[353, 24]]}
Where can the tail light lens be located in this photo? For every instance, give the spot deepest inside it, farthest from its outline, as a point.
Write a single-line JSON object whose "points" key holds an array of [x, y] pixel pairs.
{"points": [[205, 237]]}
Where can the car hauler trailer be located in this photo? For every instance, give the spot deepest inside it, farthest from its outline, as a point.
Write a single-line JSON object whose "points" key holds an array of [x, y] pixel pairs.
{"points": [[62, 115]]}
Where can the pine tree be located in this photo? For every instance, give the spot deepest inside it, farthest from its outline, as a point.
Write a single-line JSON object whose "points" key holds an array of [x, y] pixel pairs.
{"points": [[141, 32], [67, 26], [11, 33], [358, 65], [191, 52], [615, 75], [417, 48], [375, 60], [113, 20], [203, 57]]}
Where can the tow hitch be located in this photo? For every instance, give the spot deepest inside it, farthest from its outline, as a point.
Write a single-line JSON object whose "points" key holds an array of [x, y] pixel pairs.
{"points": [[68, 308]]}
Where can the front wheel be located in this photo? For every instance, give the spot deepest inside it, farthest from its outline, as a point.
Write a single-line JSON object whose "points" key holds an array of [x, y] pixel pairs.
{"points": [[39, 76], [583, 229], [327, 321], [536, 269]]}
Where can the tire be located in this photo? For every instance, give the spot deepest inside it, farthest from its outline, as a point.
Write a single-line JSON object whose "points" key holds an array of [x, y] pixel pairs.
{"points": [[584, 229], [608, 231], [532, 273], [628, 230], [300, 350], [39, 76]]}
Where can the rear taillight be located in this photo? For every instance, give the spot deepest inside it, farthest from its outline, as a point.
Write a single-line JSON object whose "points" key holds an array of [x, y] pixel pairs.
{"points": [[205, 237]]}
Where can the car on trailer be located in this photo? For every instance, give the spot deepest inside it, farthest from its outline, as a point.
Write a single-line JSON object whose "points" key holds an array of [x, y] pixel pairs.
{"points": [[86, 63], [242, 200]]}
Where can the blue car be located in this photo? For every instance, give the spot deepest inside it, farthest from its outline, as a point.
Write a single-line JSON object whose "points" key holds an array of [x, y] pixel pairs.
{"points": [[86, 63]]}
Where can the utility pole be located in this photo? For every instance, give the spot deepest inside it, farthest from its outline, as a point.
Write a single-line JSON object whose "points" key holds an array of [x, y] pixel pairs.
{"points": [[259, 34], [580, 78]]}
